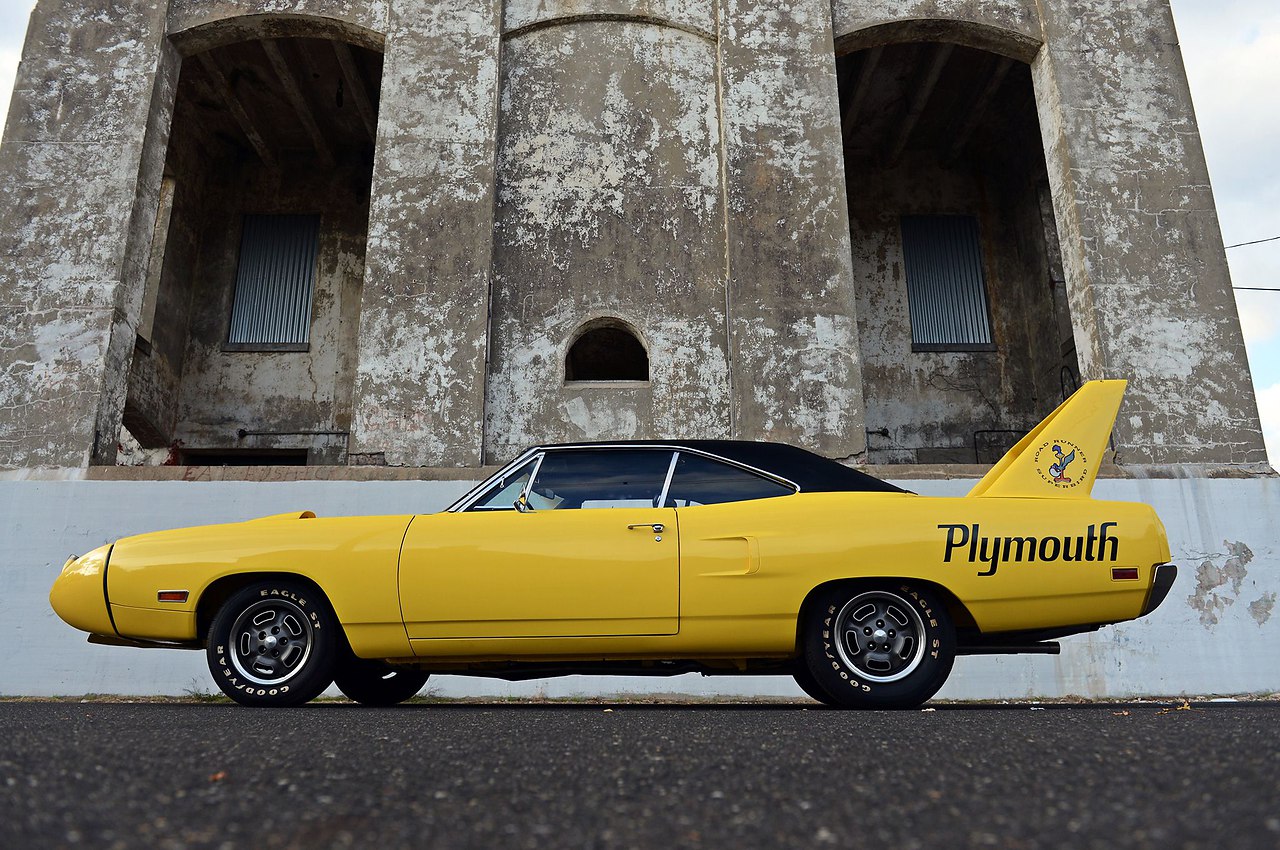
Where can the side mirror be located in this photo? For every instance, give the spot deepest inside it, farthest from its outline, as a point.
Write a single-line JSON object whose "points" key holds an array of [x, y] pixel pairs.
{"points": [[522, 505]]}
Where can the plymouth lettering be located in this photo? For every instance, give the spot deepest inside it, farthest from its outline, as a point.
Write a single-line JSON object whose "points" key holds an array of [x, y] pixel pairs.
{"points": [[969, 543]]}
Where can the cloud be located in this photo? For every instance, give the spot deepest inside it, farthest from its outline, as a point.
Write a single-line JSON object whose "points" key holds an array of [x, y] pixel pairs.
{"points": [[13, 24], [1230, 49], [1269, 410]]}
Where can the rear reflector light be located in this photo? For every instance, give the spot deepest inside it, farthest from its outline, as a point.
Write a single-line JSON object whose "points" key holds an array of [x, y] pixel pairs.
{"points": [[172, 596], [1124, 574]]}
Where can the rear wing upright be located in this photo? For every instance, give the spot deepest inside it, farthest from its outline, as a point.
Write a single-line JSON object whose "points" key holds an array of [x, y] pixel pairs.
{"points": [[1059, 458]]}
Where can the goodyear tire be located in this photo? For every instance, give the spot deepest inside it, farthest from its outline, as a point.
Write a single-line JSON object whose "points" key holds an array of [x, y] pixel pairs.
{"points": [[376, 682], [887, 645], [810, 685], [273, 644]]}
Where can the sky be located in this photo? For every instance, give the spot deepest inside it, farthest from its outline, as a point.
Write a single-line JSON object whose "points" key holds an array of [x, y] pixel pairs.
{"points": [[1232, 53]]}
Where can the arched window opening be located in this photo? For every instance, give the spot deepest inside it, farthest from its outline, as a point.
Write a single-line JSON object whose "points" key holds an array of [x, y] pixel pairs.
{"points": [[607, 350]]}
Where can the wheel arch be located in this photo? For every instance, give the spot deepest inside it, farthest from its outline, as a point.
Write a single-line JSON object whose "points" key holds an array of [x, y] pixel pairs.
{"points": [[216, 594], [960, 615]]}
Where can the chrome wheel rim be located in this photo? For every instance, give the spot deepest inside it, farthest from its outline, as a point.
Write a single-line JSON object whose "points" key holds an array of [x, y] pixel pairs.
{"points": [[271, 641], [880, 635]]}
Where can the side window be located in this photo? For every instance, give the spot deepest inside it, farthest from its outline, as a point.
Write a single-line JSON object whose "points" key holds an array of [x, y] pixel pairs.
{"points": [[702, 481], [504, 492], [600, 478]]}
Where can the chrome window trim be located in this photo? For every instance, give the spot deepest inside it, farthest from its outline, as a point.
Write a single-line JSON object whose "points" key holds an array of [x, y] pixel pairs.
{"points": [[471, 496], [533, 476], [467, 499], [666, 484]]}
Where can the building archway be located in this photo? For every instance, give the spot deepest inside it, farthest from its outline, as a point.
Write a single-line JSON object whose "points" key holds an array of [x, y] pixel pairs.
{"points": [[247, 334], [965, 330]]}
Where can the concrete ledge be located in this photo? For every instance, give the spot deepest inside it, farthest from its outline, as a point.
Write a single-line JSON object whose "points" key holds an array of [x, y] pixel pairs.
{"points": [[895, 472]]}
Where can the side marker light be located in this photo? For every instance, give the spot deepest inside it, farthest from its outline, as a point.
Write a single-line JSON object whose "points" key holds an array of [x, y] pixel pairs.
{"points": [[1124, 574], [172, 596]]}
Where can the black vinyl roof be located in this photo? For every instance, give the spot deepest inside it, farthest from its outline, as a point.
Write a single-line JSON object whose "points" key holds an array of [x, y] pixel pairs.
{"points": [[813, 473]]}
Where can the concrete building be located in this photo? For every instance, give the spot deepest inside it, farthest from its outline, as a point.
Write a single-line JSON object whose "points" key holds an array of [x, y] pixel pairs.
{"points": [[426, 233]]}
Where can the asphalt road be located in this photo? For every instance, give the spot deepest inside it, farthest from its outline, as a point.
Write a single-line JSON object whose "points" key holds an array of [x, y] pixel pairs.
{"points": [[335, 775]]}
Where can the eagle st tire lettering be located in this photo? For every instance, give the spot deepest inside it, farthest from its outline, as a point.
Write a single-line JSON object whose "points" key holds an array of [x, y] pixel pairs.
{"points": [[273, 644], [879, 645]]}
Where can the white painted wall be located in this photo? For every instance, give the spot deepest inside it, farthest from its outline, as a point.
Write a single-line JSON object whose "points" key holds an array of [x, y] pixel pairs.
{"points": [[1217, 633]]}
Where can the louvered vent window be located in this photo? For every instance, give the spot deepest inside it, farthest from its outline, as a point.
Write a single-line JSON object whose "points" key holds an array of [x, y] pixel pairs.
{"points": [[275, 282], [946, 289]]}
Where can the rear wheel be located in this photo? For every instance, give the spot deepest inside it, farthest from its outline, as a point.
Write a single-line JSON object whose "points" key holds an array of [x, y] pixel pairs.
{"points": [[879, 646], [377, 682], [273, 644]]}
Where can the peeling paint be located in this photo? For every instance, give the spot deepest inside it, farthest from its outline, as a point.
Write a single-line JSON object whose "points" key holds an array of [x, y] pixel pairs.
{"points": [[1260, 609], [1211, 597]]}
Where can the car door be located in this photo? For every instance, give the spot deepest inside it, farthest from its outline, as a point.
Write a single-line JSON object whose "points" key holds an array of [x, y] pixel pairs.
{"points": [[589, 556]]}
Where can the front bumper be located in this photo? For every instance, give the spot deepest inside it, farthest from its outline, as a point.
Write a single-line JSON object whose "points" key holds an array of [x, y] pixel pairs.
{"points": [[79, 594]]}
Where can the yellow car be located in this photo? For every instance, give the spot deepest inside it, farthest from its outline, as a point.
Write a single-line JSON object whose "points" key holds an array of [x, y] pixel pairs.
{"points": [[718, 557]]}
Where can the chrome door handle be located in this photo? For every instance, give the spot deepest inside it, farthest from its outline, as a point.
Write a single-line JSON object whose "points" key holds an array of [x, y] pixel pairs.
{"points": [[656, 526]]}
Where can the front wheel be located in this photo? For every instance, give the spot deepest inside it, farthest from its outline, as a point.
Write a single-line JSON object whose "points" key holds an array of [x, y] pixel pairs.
{"points": [[377, 682], [810, 685], [879, 646], [273, 644]]}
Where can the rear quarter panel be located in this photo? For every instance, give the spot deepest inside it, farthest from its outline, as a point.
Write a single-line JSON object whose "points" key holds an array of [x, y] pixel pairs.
{"points": [[354, 561], [747, 567]]}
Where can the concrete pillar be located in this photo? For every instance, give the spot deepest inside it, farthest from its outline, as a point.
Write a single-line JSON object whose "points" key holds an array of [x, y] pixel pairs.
{"points": [[1147, 277], [78, 180], [420, 376], [795, 360], [609, 206]]}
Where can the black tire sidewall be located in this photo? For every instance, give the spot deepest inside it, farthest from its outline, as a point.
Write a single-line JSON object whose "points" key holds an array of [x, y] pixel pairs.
{"points": [[303, 686], [360, 680], [848, 686], [807, 683]]}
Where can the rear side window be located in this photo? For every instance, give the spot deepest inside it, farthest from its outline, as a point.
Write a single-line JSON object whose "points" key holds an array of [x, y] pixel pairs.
{"points": [[702, 481], [600, 478]]}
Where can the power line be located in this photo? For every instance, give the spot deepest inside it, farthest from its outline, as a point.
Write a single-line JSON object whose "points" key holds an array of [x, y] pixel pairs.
{"points": [[1256, 288], [1254, 242]]}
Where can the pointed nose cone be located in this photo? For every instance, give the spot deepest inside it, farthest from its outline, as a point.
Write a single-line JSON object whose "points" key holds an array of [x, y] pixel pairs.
{"points": [[79, 594]]}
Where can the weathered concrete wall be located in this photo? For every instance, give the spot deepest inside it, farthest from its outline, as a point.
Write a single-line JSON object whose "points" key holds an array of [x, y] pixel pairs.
{"points": [[69, 166], [155, 376], [745, 295], [419, 396], [1148, 281], [1008, 27], [796, 367], [1133, 203], [198, 25], [609, 204], [1217, 633]]}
